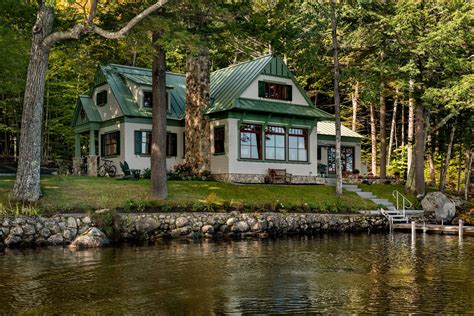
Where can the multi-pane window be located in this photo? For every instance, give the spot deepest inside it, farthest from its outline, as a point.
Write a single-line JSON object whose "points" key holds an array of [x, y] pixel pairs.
{"points": [[298, 144], [143, 143], [251, 141], [110, 144], [148, 100], [275, 143], [219, 140], [101, 98], [347, 159], [272, 90]]}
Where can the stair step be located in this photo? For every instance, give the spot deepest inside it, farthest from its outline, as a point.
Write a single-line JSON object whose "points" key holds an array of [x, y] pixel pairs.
{"points": [[401, 220], [353, 189], [367, 195], [380, 201], [349, 186]]}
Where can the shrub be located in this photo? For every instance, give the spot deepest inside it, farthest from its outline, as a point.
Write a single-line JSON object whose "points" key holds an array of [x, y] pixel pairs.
{"points": [[146, 174]]}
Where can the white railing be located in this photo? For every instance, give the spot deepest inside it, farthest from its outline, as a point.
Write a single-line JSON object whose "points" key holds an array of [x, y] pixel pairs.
{"points": [[401, 200]]}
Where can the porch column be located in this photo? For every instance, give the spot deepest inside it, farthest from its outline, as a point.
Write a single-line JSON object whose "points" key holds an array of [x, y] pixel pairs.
{"points": [[76, 161], [92, 143], [92, 158]]}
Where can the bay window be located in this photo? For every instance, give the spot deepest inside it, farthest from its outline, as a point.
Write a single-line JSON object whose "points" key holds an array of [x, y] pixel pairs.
{"points": [[275, 143], [251, 141], [298, 144]]}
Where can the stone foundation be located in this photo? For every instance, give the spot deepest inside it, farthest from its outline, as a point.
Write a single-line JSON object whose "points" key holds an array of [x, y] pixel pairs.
{"points": [[92, 166], [76, 166], [260, 178], [63, 229]]}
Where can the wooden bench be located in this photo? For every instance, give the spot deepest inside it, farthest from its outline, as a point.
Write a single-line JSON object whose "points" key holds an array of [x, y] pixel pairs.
{"points": [[278, 175]]}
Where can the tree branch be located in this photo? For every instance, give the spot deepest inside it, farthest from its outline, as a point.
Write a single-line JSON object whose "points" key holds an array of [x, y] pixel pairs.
{"points": [[79, 29], [123, 31], [441, 123]]}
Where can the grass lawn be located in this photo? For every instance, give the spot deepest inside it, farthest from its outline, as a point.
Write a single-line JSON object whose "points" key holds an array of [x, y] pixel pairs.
{"points": [[73, 194]]}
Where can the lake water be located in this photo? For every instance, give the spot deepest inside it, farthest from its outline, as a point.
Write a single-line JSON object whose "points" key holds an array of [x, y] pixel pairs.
{"points": [[327, 273]]}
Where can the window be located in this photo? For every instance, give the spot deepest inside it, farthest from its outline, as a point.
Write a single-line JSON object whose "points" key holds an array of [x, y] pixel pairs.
{"points": [[347, 159], [319, 153], [110, 143], [101, 98], [148, 100], [273, 90], [275, 143], [298, 144], [143, 143], [219, 140], [171, 144], [251, 142]]}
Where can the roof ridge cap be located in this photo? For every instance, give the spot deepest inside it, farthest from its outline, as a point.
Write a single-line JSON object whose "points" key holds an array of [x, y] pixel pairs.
{"points": [[244, 62]]}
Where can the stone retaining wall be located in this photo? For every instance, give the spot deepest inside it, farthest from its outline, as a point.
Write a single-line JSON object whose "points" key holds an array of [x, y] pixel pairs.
{"points": [[63, 229], [260, 178]]}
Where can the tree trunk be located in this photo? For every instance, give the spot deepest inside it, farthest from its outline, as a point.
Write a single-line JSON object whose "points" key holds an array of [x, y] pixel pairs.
{"points": [[355, 100], [336, 99], [411, 124], [431, 154], [467, 183], [444, 170], [420, 150], [197, 127], [402, 132], [373, 139], [159, 189], [459, 170], [392, 128], [383, 136], [27, 184]]}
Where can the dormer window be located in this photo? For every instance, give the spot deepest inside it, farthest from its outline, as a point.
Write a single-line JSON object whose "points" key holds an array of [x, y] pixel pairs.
{"points": [[272, 90], [101, 98], [148, 100]]}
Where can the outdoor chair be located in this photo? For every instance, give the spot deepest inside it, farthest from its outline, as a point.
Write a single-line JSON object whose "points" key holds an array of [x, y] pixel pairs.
{"points": [[128, 173]]}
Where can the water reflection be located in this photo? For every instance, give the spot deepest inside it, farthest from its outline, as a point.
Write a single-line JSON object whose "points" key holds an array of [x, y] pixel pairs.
{"points": [[327, 273]]}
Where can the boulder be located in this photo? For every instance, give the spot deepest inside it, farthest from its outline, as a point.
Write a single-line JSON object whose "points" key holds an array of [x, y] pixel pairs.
{"points": [[56, 239], [181, 221], [439, 204], [208, 229], [92, 238]]}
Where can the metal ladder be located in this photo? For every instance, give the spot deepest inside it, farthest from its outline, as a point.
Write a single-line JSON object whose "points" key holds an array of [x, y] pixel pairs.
{"points": [[398, 213]]}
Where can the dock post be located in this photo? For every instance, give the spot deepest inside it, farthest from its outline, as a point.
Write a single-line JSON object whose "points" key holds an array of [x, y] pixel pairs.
{"points": [[413, 233], [424, 227], [413, 227], [460, 228]]}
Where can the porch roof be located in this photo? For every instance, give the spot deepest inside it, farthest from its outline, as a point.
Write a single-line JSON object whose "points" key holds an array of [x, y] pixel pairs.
{"points": [[329, 128]]}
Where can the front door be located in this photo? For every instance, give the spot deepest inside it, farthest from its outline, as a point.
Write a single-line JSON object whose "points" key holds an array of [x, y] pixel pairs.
{"points": [[347, 159]]}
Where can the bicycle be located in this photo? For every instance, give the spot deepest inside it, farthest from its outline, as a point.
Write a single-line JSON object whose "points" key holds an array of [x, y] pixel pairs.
{"points": [[107, 168]]}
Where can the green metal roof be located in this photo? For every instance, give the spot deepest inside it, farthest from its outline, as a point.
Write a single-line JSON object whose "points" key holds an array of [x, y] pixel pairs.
{"points": [[281, 108], [92, 114], [116, 75], [229, 83]]}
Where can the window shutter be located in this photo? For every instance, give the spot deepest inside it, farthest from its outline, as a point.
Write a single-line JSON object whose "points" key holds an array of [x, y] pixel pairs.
{"points": [[289, 94], [138, 142], [117, 137], [174, 144], [261, 89], [102, 145]]}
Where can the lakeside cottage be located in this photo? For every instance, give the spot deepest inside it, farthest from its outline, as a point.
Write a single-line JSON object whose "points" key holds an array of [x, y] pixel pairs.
{"points": [[260, 118]]}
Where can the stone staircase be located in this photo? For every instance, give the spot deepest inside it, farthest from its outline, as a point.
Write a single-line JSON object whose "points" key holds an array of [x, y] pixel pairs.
{"points": [[388, 209]]}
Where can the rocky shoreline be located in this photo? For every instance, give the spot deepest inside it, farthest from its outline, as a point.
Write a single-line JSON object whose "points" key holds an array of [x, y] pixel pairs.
{"points": [[64, 229]]}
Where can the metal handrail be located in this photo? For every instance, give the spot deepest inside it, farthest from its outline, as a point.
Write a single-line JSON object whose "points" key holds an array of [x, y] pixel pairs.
{"points": [[404, 201]]}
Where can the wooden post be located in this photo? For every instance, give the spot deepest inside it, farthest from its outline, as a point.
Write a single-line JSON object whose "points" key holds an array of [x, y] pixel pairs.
{"points": [[460, 228], [424, 227], [413, 227]]}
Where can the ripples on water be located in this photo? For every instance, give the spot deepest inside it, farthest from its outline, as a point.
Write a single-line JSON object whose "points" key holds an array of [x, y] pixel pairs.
{"points": [[327, 273]]}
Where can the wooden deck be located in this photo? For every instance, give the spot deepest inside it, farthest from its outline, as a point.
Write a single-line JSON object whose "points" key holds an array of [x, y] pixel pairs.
{"points": [[435, 229]]}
